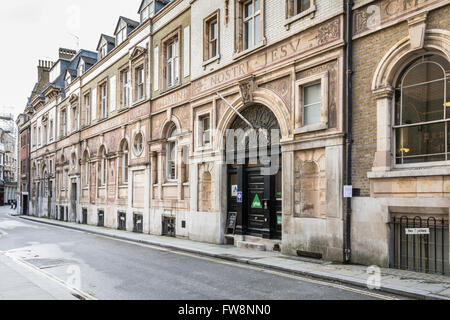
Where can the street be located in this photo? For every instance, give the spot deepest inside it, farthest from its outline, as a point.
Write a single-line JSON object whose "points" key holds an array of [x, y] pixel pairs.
{"points": [[106, 268]]}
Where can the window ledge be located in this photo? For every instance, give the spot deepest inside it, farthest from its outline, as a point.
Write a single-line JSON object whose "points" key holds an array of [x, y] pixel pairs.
{"points": [[241, 54], [204, 148], [209, 61], [166, 90], [293, 19], [170, 184], [138, 101], [311, 128], [123, 186], [410, 172]]}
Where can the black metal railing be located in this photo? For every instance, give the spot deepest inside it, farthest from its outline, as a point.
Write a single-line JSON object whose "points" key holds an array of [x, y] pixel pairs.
{"points": [[420, 244]]}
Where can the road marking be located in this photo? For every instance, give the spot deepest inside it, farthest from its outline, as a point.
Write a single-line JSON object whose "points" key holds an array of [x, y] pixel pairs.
{"points": [[254, 268], [234, 264], [76, 292]]}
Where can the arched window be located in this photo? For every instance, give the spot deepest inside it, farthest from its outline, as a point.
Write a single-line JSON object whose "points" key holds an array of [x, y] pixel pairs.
{"points": [[86, 169], [45, 184], [172, 154], [138, 144], [102, 167], [422, 111], [124, 163]]}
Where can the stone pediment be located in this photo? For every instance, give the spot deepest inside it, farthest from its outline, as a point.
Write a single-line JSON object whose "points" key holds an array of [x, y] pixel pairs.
{"points": [[52, 92], [137, 52], [73, 98]]}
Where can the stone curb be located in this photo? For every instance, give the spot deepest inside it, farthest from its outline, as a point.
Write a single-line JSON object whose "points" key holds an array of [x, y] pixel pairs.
{"points": [[410, 293]]}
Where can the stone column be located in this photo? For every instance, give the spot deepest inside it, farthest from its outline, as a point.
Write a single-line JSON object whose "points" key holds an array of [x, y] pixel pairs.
{"points": [[153, 173], [181, 173], [147, 188], [384, 130], [193, 186], [160, 174]]}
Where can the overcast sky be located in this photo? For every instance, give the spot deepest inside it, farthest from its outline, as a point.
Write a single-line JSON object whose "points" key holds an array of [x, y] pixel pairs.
{"points": [[34, 30]]}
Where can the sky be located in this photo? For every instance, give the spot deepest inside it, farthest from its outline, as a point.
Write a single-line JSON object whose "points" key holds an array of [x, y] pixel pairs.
{"points": [[33, 30]]}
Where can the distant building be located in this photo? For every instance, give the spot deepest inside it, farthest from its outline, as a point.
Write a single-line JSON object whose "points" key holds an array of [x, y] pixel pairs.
{"points": [[8, 159]]}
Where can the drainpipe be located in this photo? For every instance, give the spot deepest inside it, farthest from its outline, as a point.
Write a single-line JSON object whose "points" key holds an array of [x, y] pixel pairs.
{"points": [[349, 58]]}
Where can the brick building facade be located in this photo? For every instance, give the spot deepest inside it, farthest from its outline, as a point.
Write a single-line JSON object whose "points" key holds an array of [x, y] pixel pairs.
{"points": [[400, 159], [136, 134]]}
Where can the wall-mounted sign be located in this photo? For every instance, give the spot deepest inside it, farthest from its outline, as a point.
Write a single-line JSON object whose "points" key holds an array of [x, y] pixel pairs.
{"points": [[348, 191], [234, 190], [416, 231], [280, 220], [239, 197], [256, 204]]}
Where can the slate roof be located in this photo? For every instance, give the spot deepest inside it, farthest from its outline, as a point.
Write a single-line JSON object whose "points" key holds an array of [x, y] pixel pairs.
{"points": [[144, 2], [109, 39], [130, 23]]}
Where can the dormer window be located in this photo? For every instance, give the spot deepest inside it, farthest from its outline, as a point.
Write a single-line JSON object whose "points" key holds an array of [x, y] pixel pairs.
{"points": [[121, 35], [148, 10], [81, 68], [68, 79], [103, 51]]}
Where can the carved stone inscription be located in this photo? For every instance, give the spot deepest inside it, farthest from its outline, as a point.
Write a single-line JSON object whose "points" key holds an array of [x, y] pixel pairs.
{"points": [[180, 96], [373, 16], [297, 45]]}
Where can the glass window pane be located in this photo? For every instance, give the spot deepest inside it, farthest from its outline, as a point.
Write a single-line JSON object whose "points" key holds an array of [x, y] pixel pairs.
{"points": [[248, 10], [257, 29], [448, 141], [423, 73], [424, 143], [213, 31], [305, 4], [447, 100], [257, 5], [312, 114], [312, 94], [398, 95], [248, 34], [423, 103]]}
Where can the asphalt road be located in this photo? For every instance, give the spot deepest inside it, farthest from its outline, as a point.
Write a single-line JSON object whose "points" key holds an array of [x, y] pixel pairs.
{"points": [[112, 269]]}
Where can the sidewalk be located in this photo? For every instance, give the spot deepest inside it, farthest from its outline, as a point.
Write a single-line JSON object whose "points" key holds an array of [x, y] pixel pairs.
{"points": [[406, 283], [19, 282]]}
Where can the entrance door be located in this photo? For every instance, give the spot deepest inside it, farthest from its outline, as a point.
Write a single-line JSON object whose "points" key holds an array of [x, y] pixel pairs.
{"points": [[254, 197], [258, 212], [25, 205], [49, 199], [73, 202]]}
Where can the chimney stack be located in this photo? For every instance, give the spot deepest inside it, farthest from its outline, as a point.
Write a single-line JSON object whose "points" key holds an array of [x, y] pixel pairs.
{"points": [[44, 67], [66, 53]]}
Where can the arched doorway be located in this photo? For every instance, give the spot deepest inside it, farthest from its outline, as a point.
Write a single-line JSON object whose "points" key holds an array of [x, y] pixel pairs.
{"points": [[255, 173]]}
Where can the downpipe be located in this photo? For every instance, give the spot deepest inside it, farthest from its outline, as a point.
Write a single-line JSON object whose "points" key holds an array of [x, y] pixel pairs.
{"points": [[349, 97]]}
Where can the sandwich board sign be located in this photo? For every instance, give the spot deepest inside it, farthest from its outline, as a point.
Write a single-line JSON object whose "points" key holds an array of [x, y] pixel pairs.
{"points": [[256, 204]]}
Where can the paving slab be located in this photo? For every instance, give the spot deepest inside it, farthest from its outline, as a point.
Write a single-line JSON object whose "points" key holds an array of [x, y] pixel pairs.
{"points": [[18, 282]]}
